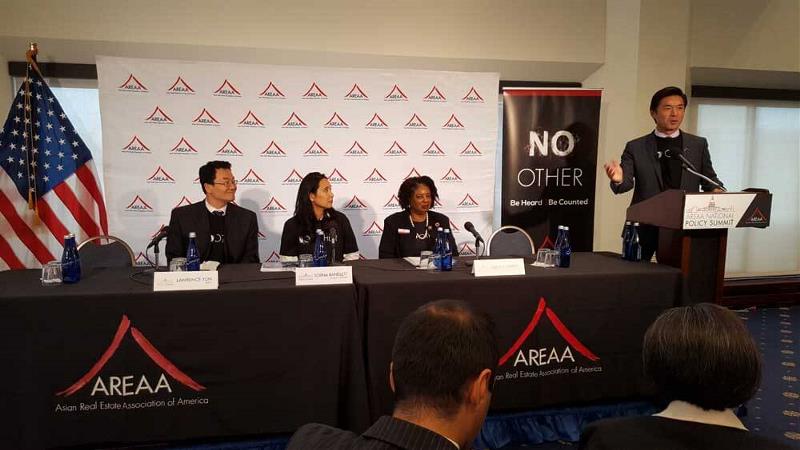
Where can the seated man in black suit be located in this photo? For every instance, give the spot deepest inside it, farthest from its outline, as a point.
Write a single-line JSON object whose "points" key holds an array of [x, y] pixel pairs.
{"points": [[226, 233], [443, 364]]}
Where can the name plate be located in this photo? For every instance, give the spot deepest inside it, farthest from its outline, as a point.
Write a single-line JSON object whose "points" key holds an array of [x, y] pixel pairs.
{"points": [[498, 267], [317, 276], [185, 281]]}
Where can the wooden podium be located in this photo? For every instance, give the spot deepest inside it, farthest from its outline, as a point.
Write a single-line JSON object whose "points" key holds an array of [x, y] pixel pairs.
{"points": [[693, 232]]}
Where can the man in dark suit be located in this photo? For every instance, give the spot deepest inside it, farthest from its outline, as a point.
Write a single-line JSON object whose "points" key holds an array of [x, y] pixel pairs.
{"points": [[226, 233], [443, 365], [651, 165]]}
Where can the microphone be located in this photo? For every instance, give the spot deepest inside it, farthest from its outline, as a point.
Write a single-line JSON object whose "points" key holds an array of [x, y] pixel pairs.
{"points": [[692, 169], [471, 228], [162, 233], [686, 162]]}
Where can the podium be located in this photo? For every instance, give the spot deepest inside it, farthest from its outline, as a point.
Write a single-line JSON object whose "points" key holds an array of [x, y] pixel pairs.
{"points": [[693, 232]]}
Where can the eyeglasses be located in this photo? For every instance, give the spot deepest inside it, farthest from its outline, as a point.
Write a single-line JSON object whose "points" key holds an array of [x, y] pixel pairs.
{"points": [[227, 183]]}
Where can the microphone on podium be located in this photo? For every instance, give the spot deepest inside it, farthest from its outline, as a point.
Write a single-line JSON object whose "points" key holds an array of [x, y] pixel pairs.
{"points": [[471, 228], [162, 233]]}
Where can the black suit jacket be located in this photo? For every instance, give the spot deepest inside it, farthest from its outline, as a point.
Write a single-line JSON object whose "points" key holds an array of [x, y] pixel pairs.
{"points": [[241, 232], [395, 245], [387, 433], [642, 170]]}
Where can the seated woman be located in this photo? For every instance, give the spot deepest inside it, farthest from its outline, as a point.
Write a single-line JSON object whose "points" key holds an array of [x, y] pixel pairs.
{"points": [[314, 210], [412, 230], [704, 363]]}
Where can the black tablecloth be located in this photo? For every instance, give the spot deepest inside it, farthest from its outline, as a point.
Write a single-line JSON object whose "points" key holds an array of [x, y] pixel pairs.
{"points": [[586, 345], [259, 355]]}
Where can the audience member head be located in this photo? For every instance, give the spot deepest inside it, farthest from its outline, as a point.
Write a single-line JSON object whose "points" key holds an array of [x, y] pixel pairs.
{"points": [[418, 194], [702, 354], [217, 182], [443, 365]]}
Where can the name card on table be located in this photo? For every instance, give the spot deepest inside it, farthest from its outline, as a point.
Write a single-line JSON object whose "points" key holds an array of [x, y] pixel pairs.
{"points": [[185, 281], [498, 267], [316, 276]]}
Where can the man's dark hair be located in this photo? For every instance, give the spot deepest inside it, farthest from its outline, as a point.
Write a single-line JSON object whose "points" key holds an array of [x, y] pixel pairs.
{"points": [[409, 185], [438, 349], [209, 170], [667, 92], [702, 354]]}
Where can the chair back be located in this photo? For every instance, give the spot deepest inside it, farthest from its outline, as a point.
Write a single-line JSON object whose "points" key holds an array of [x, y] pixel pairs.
{"points": [[106, 251], [510, 241]]}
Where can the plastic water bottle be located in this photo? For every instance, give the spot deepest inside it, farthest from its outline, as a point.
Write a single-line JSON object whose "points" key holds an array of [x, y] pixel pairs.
{"points": [[320, 256], [192, 255], [438, 249], [626, 240], [557, 245], [70, 261], [447, 252], [565, 250], [634, 246]]}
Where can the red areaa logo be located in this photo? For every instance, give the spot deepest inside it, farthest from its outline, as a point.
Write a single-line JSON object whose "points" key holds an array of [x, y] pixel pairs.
{"points": [[433, 150], [158, 116], [226, 89], [544, 356], [373, 230], [412, 173], [273, 207], [547, 243], [184, 201], [180, 87], [161, 176], [183, 147], [142, 260], [435, 95], [468, 202], [376, 123], [315, 93], [315, 150], [336, 177], [229, 149], [451, 177], [336, 121], [205, 118], [274, 257], [128, 385], [138, 205], [356, 150], [415, 123], [261, 236], [251, 120], [395, 95], [272, 91], [757, 217], [395, 150], [375, 177], [472, 96], [136, 146], [293, 178], [453, 123], [393, 203], [466, 249], [132, 85], [251, 179], [273, 150], [470, 150], [356, 93], [355, 203], [294, 121]]}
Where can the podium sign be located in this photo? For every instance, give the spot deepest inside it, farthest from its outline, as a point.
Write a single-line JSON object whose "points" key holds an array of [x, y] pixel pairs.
{"points": [[707, 211]]}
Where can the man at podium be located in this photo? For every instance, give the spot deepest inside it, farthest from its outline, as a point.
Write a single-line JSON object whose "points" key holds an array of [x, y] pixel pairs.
{"points": [[656, 161]]}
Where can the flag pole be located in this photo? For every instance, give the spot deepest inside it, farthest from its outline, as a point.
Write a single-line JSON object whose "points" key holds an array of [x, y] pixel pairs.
{"points": [[30, 154]]}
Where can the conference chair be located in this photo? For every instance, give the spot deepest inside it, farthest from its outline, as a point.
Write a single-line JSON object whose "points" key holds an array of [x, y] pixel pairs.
{"points": [[105, 251], [510, 241]]}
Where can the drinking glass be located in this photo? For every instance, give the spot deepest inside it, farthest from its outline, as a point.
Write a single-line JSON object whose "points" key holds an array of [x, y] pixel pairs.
{"points": [[51, 273]]}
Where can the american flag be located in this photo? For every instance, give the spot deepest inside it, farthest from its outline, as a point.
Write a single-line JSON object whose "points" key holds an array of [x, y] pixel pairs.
{"points": [[48, 182]]}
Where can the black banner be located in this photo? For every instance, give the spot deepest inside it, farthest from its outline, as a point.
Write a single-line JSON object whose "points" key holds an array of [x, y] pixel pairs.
{"points": [[549, 162]]}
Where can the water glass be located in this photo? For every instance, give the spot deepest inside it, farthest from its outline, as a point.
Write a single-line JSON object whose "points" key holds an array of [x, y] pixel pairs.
{"points": [[177, 264], [305, 260], [51, 273], [425, 261]]}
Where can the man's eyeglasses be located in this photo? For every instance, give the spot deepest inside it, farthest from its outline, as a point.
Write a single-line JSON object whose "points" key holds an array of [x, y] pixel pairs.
{"points": [[227, 183]]}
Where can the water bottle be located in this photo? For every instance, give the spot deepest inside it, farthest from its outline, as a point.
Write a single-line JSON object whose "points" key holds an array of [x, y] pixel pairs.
{"points": [[626, 240], [438, 249], [192, 255], [634, 246], [557, 245], [447, 252], [70, 261], [565, 251], [320, 256]]}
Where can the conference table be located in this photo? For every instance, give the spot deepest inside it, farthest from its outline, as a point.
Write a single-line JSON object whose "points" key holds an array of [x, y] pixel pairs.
{"points": [[108, 361]]}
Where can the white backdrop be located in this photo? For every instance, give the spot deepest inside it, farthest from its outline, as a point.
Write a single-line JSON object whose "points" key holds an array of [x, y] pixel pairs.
{"points": [[366, 129]]}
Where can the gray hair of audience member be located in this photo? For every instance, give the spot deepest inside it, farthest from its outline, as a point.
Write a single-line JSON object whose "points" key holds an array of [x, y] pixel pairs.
{"points": [[702, 354], [438, 349]]}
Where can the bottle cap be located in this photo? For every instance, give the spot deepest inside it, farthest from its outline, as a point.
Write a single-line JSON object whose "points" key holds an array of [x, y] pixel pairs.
{"points": [[192, 234], [636, 224], [69, 236], [439, 229], [319, 232], [561, 227], [447, 231], [566, 228], [627, 222]]}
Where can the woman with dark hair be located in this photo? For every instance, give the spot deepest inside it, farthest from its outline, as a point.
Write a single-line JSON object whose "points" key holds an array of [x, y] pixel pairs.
{"points": [[313, 210], [412, 230], [704, 363]]}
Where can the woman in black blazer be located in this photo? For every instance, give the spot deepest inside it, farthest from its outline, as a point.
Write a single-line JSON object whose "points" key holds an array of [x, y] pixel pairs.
{"points": [[412, 230]]}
